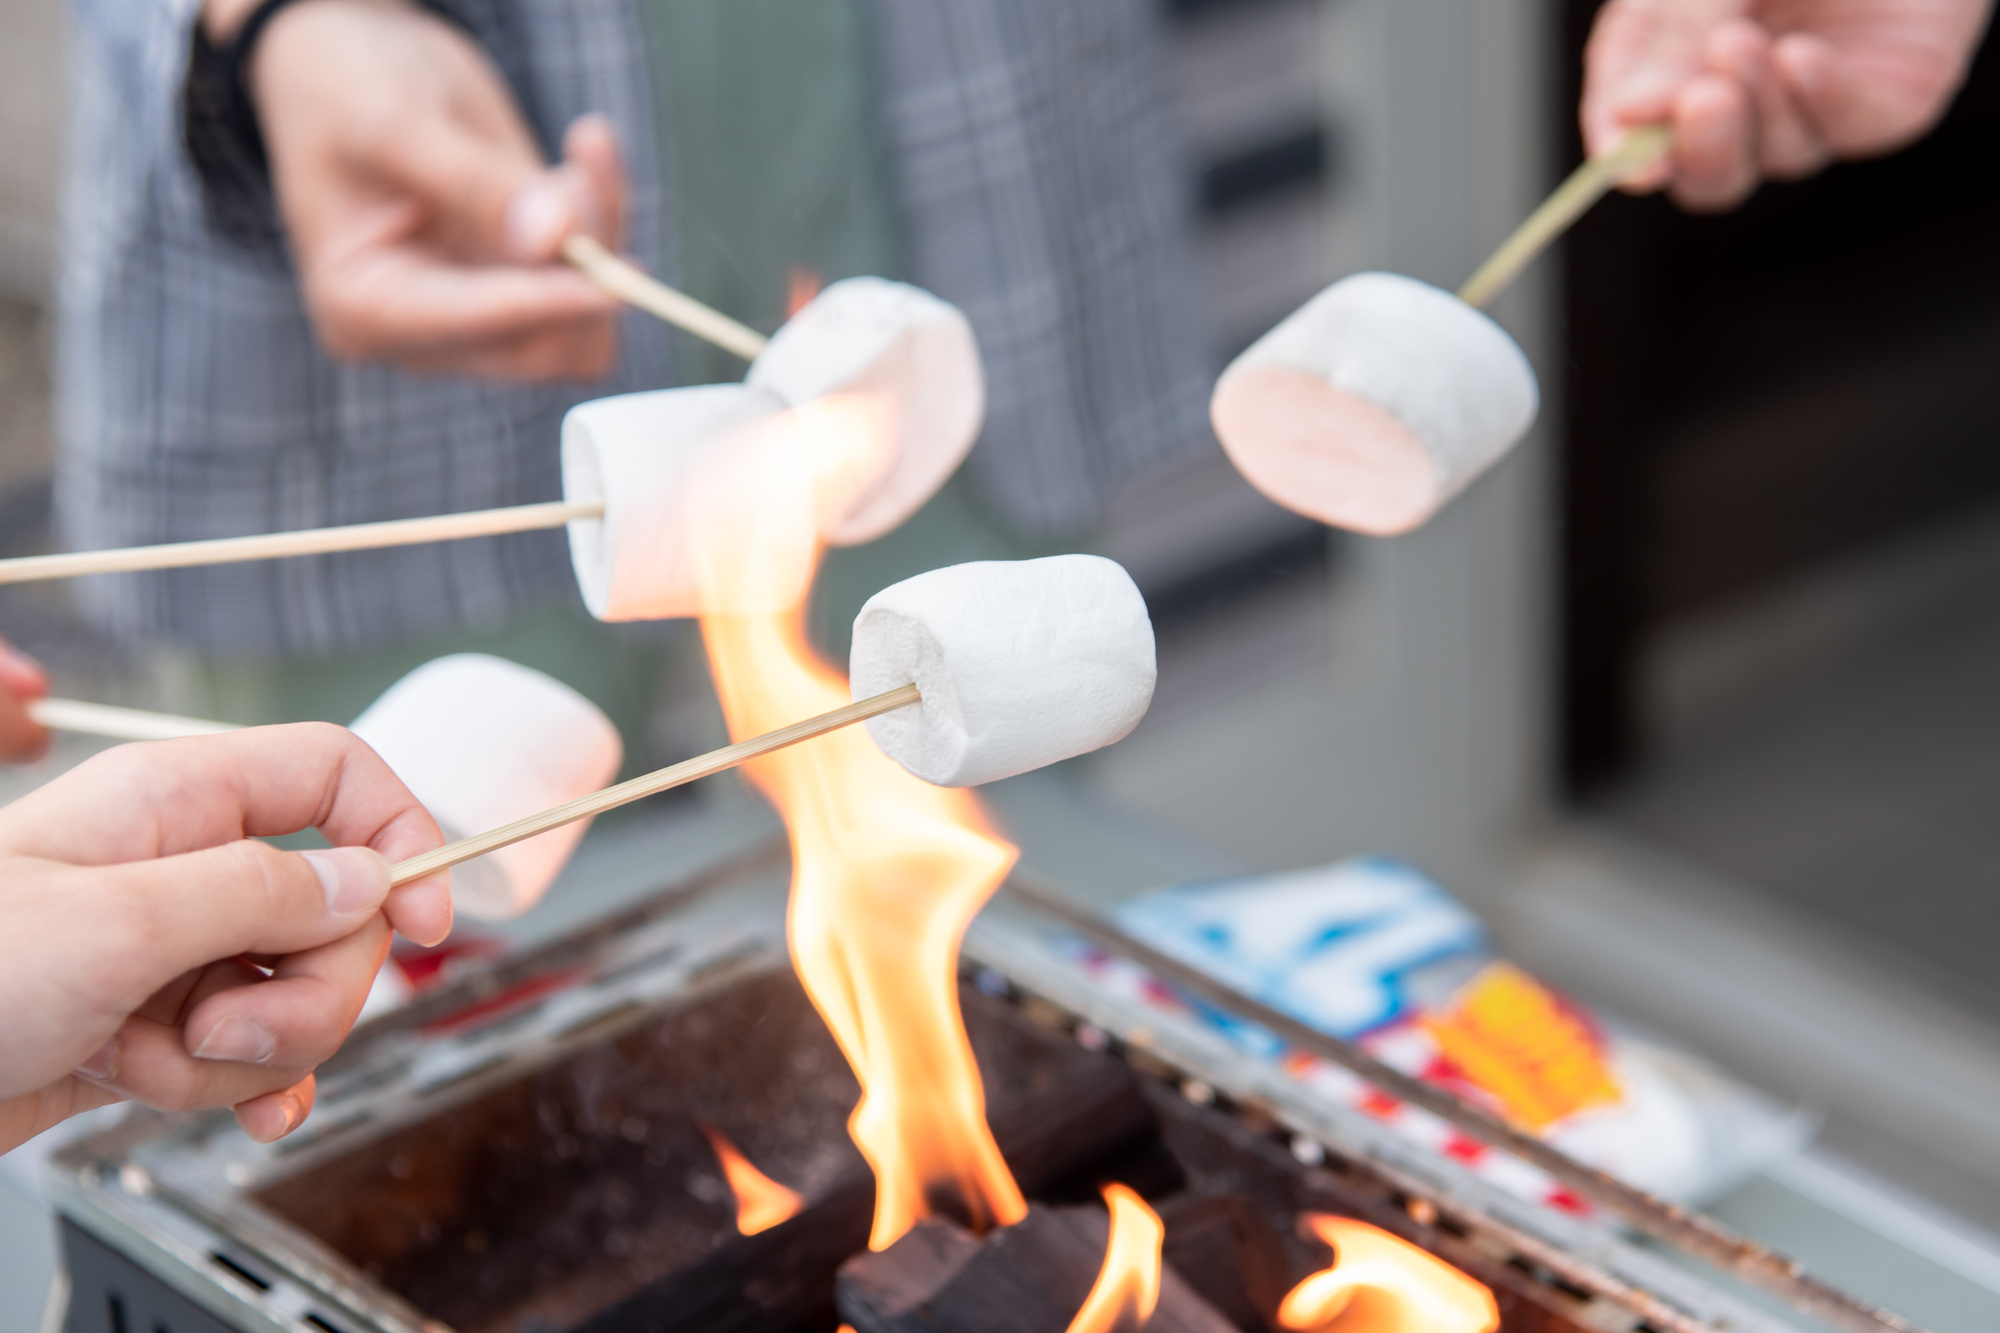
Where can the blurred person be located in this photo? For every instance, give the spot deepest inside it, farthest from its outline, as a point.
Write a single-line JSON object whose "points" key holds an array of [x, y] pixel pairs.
{"points": [[22, 680], [153, 950], [1771, 89], [309, 279]]}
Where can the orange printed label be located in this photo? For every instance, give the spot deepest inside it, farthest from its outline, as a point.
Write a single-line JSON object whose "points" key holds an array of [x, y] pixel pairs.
{"points": [[1509, 1035]]}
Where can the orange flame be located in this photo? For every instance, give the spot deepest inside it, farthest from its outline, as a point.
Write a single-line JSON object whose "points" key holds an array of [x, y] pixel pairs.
{"points": [[888, 871], [761, 1202], [1380, 1283], [1128, 1285], [802, 284]]}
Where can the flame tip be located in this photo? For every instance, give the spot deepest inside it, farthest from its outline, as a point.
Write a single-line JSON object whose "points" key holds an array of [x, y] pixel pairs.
{"points": [[1127, 1290], [761, 1202]]}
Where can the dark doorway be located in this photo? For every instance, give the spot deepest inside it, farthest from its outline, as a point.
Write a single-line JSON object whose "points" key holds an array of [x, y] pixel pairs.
{"points": [[1782, 542]]}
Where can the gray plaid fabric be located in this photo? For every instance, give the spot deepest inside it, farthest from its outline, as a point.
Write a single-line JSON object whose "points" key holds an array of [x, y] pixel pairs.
{"points": [[193, 402], [1041, 194], [1044, 195]]}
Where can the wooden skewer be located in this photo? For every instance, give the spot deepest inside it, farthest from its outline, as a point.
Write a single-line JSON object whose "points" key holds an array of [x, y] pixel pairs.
{"points": [[134, 724], [311, 541], [1571, 200], [661, 780], [636, 287], [614, 275], [124, 724]]}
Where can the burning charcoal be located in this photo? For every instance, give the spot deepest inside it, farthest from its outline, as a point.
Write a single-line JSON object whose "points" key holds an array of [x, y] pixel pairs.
{"points": [[1028, 1278], [940, 1278], [1222, 1249], [780, 1279], [877, 1289]]}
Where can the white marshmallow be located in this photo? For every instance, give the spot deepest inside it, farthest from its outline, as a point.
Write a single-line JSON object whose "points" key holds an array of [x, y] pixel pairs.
{"points": [[637, 454], [1020, 664], [900, 344], [482, 741], [1374, 403]]}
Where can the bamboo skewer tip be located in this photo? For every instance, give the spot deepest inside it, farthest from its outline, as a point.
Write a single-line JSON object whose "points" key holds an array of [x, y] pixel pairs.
{"points": [[633, 285], [1569, 201]]}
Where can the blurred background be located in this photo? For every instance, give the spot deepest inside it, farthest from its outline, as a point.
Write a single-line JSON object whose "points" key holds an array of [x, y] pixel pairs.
{"points": [[1696, 698]]}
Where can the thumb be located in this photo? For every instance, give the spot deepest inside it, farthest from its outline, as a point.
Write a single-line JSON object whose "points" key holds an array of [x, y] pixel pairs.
{"points": [[594, 166], [178, 913], [546, 208]]}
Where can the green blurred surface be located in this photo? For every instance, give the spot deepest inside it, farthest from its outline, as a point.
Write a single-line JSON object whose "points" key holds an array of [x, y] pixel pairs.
{"points": [[768, 134]]}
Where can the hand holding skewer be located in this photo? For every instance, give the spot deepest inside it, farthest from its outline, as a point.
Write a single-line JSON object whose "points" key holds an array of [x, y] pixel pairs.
{"points": [[133, 896], [1763, 91]]}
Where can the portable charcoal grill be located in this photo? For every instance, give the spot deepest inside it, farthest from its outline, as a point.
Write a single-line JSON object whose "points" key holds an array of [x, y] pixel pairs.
{"points": [[521, 1151]]}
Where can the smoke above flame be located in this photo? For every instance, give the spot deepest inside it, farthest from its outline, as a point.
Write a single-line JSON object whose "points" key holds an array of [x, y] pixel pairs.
{"points": [[1128, 1285], [1380, 1283], [761, 1202], [887, 871]]}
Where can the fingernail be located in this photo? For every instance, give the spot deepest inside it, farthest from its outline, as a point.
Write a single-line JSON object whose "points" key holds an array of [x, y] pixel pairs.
{"points": [[537, 217], [293, 1110], [102, 1065], [240, 1039], [355, 879]]}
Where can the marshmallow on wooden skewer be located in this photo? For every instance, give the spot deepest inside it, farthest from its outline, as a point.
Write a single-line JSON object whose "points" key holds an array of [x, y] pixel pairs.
{"points": [[861, 335], [682, 474], [864, 338], [482, 741], [994, 668], [906, 348], [1374, 403], [1020, 664], [637, 454], [1382, 397]]}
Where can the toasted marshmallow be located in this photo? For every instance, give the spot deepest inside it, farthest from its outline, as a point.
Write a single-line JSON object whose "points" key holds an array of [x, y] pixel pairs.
{"points": [[913, 352], [638, 454], [1374, 403], [1020, 664], [482, 741]]}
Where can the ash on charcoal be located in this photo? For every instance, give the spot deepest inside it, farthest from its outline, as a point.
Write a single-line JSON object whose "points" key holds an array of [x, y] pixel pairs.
{"points": [[1028, 1278]]}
